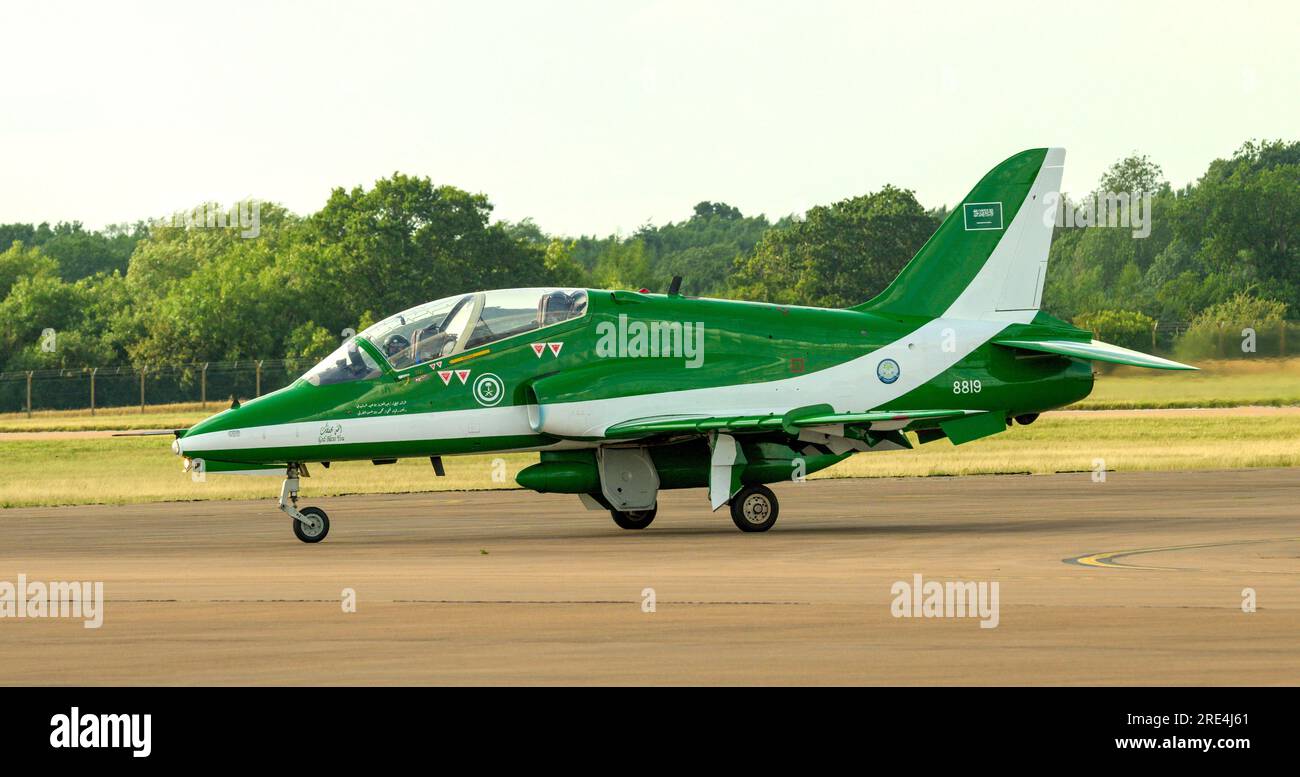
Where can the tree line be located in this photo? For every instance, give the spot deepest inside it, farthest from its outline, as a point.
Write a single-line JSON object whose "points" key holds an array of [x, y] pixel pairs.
{"points": [[1221, 248]]}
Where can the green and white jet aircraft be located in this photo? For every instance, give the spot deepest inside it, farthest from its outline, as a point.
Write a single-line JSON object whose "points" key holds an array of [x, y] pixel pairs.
{"points": [[628, 393]]}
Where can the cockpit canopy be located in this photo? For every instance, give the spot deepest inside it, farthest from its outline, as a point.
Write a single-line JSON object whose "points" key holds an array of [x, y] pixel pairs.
{"points": [[449, 326], [454, 324], [349, 362]]}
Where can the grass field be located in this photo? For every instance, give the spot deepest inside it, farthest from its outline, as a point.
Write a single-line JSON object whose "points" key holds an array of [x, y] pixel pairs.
{"points": [[121, 470], [178, 416], [1218, 384], [1074, 442]]}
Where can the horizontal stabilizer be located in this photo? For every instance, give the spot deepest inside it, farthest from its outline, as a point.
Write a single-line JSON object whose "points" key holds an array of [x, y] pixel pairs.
{"points": [[151, 433], [1097, 351]]}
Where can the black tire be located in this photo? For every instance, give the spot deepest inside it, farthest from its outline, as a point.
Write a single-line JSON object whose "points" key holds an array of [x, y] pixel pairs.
{"points": [[634, 519], [303, 533], [754, 508]]}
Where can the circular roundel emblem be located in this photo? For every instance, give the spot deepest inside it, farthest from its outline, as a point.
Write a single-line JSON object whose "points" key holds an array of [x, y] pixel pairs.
{"points": [[488, 389], [887, 371]]}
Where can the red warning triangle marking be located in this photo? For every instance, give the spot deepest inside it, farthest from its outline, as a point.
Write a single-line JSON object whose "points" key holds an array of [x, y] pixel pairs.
{"points": [[445, 375], [539, 348], [555, 348], [463, 375]]}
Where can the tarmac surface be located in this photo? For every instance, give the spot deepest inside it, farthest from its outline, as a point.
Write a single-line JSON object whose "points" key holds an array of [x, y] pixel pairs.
{"points": [[1136, 580]]}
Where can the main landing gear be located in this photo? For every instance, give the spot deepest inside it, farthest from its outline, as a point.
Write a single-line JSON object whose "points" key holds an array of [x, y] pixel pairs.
{"points": [[754, 508], [633, 519], [310, 524]]}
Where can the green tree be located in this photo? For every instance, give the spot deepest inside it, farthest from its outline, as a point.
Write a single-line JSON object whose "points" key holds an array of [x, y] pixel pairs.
{"points": [[1135, 173], [240, 298], [1243, 217], [561, 266], [81, 253], [406, 241], [837, 255], [1094, 267], [623, 266], [1208, 332], [703, 249], [39, 303], [19, 261]]}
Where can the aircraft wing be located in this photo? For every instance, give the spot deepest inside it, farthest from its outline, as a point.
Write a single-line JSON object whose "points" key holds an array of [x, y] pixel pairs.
{"points": [[790, 422], [1094, 350]]}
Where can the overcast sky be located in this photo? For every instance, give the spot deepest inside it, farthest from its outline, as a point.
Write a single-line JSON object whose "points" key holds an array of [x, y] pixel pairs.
{"points": [[597, 117]]}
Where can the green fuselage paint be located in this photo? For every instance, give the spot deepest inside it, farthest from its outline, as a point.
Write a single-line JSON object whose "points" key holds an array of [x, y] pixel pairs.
{"points": [[955, 346]]}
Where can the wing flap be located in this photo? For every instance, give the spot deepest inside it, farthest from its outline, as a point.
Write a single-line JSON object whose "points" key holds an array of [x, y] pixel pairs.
{"points": [[642, 427], [1094, 350], [879, 416]]}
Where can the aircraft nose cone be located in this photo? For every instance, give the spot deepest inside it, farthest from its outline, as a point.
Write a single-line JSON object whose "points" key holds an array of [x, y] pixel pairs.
{"points": [[176, 446]]}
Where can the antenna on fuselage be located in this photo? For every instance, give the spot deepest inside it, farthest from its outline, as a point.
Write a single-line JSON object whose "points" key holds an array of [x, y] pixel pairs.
{"points": [[675, 287]]}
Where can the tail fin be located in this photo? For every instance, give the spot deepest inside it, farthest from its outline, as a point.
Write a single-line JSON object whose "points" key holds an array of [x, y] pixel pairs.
{"points": [[989, 257]]}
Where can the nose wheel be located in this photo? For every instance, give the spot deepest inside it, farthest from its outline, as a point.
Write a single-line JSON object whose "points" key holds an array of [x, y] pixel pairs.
{"points": [[754, 508], [310, 524]]}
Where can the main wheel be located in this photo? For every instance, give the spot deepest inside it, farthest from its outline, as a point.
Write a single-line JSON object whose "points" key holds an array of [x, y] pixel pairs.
{"points": [[316, 530], [754, 508], [634, 519]]}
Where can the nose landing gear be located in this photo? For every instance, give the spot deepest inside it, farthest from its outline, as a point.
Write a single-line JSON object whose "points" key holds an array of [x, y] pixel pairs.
{"points": [[310, 524], [313, 526]]}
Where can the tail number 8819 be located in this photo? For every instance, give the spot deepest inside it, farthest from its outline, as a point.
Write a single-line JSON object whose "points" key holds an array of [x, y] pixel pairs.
{"points": [[966, 387]]}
